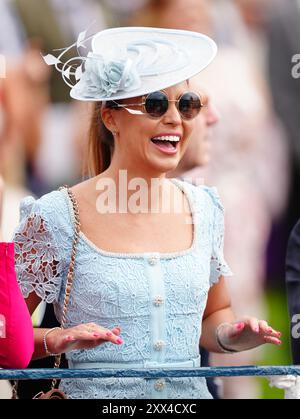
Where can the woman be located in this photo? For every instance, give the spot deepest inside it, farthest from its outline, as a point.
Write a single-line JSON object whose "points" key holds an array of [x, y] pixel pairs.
{"points": [[148, 280], [16, 332]]}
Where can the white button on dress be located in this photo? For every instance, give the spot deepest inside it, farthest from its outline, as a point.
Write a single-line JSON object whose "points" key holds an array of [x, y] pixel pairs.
{"points": [[159, 385], [153, 261], [159, 345], [158, 301]]}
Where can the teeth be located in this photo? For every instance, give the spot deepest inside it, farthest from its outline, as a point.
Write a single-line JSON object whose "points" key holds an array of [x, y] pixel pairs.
{"points": [[167, 138]]}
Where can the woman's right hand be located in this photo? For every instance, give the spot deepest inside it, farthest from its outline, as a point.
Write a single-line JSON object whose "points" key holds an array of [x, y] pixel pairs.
{"points": [[83, 336]]}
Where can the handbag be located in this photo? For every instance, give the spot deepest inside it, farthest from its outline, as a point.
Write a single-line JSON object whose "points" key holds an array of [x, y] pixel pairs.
{"points": [[55, 393]]}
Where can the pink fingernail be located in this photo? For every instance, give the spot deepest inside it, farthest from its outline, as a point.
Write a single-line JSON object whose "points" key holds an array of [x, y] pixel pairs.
{"points": [[70, 338], [108, 334], [96, 335], [119, 341], [256, 329], [270, 329], [239, 326]]}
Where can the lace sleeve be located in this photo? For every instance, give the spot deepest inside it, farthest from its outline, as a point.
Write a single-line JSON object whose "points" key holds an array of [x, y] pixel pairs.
{"points": [[37, 261], [218, 265]]}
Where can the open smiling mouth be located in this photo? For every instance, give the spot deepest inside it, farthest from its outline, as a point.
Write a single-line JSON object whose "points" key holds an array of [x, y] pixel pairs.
{"points": [[167, 144]]}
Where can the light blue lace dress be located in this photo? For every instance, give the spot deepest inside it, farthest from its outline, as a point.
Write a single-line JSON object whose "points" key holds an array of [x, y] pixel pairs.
{"points": [[158, 299]]}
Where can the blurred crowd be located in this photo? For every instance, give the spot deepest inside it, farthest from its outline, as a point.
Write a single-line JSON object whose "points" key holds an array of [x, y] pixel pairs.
{"points": [[252, 154]]}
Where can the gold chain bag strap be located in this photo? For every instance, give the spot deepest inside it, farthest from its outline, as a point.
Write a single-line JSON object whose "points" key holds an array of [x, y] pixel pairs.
{"points": [[55, 393]]}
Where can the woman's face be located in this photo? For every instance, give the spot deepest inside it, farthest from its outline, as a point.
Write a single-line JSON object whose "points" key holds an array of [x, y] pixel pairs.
{"points": [[137, 143]]}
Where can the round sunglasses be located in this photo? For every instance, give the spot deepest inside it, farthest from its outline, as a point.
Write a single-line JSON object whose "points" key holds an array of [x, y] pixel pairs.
{"points": [[156, 105]]}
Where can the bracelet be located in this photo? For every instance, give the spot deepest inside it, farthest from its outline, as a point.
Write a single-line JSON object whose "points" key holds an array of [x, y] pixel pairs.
{"points": [[220, 344], [45, 342]]}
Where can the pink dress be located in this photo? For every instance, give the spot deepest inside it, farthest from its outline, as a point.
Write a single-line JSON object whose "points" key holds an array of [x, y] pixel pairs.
{"points": [[16, 331]]}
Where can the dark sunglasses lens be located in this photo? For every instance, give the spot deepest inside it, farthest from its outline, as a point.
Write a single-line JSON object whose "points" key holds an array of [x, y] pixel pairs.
{"points": [[156, 104], [189, 105]]}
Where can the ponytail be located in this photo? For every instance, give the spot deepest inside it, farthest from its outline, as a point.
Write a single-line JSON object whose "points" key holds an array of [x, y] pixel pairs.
{"points": [[100, 144]]}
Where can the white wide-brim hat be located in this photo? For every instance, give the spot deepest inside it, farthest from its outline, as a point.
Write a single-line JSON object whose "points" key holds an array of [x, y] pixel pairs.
{"points": [[133, 61]]}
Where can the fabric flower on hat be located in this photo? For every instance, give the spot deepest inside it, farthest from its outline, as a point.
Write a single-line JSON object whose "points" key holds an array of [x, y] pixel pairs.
{"points": [[107, 78]]}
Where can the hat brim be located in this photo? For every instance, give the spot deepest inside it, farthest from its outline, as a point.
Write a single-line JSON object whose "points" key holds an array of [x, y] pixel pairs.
{"points": [[199, 50]]}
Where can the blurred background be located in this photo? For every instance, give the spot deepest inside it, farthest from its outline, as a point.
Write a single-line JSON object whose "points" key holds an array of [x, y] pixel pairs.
{"points": [[252, 154]]}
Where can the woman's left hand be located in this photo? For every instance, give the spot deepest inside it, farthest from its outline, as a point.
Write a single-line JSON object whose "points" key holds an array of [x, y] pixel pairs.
{"points": [[247, 333]]}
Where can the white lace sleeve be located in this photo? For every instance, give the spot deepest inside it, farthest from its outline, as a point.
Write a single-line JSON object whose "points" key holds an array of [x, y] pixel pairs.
{"points": [[218, 266], [37, 261]]}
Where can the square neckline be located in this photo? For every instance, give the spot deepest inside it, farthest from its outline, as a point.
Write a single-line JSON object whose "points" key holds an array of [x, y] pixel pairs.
{"points": [[141, 255]]}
